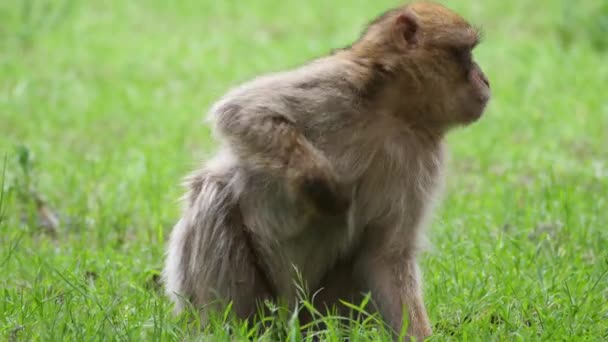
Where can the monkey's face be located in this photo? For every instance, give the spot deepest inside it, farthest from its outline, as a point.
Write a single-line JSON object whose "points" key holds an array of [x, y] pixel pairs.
{"points": [[436, 46], [466, 88], [454, 82]]}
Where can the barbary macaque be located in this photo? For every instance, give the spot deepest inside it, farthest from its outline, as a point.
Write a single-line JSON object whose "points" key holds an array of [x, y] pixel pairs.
{"points": [[331, 169]]}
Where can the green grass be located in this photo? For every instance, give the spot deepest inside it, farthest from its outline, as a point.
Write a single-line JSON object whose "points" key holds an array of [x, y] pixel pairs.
{"points": [[101, 107]]}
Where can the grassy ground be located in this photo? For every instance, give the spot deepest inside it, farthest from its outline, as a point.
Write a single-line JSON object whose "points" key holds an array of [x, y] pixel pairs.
{"points": [[100, 116]]}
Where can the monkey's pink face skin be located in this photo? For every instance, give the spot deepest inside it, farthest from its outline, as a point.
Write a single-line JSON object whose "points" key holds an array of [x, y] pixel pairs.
{"points": [[458, 85], [467, 96], [479, 93]]}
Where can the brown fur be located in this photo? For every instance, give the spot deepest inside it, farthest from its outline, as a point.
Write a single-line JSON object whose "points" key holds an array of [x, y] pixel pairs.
{"points": [[334, 168]]}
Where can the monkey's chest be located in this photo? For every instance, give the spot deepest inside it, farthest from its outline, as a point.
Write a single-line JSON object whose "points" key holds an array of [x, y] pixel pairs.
{"points": [[397, 191]]}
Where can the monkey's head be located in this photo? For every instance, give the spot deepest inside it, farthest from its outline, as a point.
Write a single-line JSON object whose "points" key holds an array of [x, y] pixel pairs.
{"points": [[426, 51]]}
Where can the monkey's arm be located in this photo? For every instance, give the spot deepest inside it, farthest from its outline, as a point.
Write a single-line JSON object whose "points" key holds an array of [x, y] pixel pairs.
{"points": [[394, 280], [269, 142]]}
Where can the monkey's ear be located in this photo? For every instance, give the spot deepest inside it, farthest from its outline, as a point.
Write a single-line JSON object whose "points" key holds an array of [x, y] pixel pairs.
{"points": [[407, 25]]}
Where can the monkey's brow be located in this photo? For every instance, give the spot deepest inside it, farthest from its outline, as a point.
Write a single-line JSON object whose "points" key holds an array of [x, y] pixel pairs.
{"points": [[472, 37], [464, 39], [479, 35]]}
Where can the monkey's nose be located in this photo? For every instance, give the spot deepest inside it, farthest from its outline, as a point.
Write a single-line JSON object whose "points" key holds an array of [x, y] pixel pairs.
{"points": [[478, 73], [485, 79]]}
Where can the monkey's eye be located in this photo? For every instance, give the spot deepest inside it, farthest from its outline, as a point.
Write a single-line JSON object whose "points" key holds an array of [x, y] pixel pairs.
{"points": [[463, 56]]}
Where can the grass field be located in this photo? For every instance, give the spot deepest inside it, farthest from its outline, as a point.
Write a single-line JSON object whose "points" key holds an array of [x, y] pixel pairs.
{"points": [[101, 108]]}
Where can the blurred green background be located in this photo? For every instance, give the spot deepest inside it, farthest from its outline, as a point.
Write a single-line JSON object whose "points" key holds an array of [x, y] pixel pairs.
{"points": [[101, 115]]}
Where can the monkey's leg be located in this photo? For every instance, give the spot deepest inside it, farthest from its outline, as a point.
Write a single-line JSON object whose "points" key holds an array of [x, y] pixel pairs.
{"points": [[339, 284], [263, 139], [270, 142], [394, 280], [211, 260]]}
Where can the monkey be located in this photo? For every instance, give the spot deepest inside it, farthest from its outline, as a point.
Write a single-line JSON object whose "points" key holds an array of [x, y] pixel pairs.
{"points": [[331, 170]]}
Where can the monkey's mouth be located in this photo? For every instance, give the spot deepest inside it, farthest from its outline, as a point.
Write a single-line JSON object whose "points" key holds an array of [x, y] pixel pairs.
{"points": [[479, 106], [475, 113]]}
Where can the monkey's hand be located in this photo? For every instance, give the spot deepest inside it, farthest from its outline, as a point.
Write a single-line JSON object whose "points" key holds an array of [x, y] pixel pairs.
{"points": [[312, 179]]}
